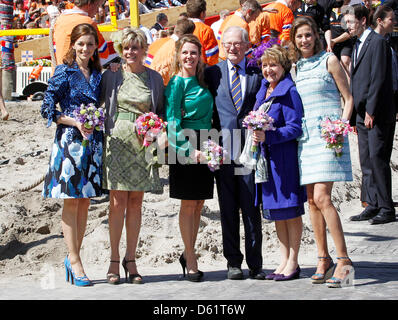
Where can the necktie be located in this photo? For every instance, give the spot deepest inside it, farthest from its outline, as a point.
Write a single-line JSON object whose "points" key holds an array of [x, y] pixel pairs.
{"points": [[356, 53], [236, 90]]}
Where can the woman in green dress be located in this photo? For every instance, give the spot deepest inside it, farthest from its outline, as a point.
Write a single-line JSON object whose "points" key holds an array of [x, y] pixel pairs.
{"points": [[189, 107], [128, 93]]}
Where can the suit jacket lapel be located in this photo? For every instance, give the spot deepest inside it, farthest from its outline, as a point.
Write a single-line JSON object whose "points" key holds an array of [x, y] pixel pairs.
{"points": [[249, 86], [363, 49]]}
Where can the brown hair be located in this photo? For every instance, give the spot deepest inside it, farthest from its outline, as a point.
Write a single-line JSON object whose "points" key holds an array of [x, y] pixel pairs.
{"points": [[195, 8], [279, 55], [189, 38], [77, 32], [297, 23], [184, 26]]}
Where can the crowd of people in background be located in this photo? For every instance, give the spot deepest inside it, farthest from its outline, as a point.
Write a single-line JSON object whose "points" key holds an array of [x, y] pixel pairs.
{"points": [[30, 14]]}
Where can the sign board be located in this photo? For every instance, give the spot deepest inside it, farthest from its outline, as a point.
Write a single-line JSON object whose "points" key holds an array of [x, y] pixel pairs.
{"points": [[26, 56]]}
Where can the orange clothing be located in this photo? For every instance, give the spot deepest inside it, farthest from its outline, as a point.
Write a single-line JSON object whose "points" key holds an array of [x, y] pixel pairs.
{"points": [[233, 20], [153, 49], [162, 62], [259, 29], [69, 5], [63, 29], [208, 40], [281, 21]]}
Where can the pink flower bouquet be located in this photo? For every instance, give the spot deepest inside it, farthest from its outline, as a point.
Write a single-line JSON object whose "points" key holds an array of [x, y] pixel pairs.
{"points": [[214, 154], [90, 116], [258, 120], [149, 125], [333, 132]]}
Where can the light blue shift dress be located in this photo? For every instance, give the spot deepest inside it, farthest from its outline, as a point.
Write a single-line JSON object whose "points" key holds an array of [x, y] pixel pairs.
{"points": [[321, 98]]}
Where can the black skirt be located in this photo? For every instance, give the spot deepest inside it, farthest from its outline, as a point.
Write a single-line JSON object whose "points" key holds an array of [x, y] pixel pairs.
{"points": [[191, 181]]}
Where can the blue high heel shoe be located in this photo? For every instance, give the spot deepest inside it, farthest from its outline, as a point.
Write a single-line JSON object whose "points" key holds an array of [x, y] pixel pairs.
{"points": [[67, 267], [83, 281]]}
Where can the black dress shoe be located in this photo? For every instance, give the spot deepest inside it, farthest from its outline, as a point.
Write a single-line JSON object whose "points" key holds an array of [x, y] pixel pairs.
{"points": [[365, 215], [383, 218], [235, 273], [257, 274]]}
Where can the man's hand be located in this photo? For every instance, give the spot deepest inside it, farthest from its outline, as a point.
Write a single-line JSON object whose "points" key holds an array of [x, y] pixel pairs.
{"points": [[369, 121]]}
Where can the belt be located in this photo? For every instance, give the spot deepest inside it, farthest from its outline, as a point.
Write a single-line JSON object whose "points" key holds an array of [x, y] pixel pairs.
{"points": [[131, 116]]}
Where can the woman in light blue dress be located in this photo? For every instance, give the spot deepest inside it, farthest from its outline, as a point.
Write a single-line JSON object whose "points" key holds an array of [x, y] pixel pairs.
{"points": [[320, 81]]}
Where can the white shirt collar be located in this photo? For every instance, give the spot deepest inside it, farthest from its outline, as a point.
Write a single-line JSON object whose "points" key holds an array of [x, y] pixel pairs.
{"points": [[75, 10], [364, 35], [196, 20], [240, 64], [283, 2]]}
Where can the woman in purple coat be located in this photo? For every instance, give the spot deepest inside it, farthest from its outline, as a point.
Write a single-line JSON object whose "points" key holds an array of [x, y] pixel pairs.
{"points": [[281, 195]]}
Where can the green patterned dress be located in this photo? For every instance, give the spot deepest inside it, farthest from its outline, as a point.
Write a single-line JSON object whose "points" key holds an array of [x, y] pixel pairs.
{"points": [[125, 167]]}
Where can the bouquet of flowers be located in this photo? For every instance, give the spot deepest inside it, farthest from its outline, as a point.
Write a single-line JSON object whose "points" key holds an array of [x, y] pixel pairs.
{"points": [[149, 125], [91, 117], [214, 154], [333, 132], [258, 120], [258, 52], [38, 62]]}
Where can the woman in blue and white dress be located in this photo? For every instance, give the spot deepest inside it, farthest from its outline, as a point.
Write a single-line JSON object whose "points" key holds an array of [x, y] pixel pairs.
{"points": [[75, 169], [321, 83]]}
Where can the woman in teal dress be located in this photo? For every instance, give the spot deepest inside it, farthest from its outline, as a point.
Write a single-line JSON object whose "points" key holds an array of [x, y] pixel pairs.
{"points": [[189, 105], [320, 81], [128, 93]]}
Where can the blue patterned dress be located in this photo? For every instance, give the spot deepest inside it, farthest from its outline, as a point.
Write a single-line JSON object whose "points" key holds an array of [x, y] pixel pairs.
{"points": [[321, 99], [75, 171]]}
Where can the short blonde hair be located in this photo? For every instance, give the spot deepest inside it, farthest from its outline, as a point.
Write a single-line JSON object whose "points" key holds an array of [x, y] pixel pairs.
{"points": [[128, 35], [279, 55]]}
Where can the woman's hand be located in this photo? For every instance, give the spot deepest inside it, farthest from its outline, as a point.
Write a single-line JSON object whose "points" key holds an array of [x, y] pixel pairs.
{"points": [[83, 130], [198, 156], [258, 136], [114, 67]]}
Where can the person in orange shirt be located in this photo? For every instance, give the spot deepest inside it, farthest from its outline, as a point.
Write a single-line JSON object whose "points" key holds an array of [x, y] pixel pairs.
{"points": [[282, 21], [196, 10], [250, 10], [82, 12], [163, 60], [153, 48], [259, 29]]}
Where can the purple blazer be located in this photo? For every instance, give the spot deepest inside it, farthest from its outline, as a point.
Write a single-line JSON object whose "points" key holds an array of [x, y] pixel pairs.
{"points": [[282, 190]]}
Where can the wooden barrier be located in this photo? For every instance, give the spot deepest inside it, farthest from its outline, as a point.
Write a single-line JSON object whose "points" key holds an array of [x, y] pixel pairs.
{"points": [[40, 46]]}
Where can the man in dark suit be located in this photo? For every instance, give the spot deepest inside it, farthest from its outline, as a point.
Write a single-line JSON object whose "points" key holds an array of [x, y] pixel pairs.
{"points": [[234, 87], [371, 87]]}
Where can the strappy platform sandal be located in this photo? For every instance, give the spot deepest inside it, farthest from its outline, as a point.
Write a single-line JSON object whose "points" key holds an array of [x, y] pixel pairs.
{"points": [[131, 278], [113, 278], [319, 278], [346, 281]]}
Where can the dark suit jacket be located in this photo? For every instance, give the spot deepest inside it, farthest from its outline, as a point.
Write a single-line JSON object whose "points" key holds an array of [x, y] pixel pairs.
{"points": [[225, 114], [371, 80]]}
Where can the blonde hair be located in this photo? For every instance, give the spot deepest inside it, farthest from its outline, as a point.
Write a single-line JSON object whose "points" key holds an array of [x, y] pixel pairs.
{"points": [[134, 35], [279, 55], [189, 38]]}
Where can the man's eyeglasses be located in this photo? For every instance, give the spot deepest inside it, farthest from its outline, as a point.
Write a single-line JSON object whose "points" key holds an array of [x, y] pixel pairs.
{"points": [[228, 45]]}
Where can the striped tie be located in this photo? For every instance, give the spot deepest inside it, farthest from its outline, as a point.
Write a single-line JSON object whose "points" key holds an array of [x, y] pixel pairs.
{"points": [[236, 91]]}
